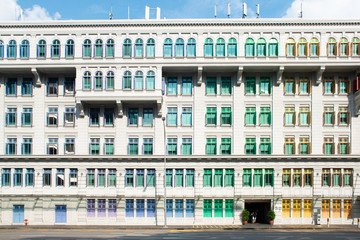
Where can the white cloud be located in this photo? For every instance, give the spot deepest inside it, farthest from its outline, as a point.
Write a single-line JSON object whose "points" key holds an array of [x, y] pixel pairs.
{"points": [[325, 9], [10, 10]]}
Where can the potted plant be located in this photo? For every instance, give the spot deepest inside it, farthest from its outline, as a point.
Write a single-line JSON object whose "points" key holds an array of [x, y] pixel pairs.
{"points": [[245, 214], [271, 216]]}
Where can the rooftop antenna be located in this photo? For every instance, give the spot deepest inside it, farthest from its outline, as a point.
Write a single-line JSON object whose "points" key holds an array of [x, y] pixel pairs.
{"points": [[300, 14], [111, 14], [215, 10], [228, 10], [244, 10], [257, 10]]}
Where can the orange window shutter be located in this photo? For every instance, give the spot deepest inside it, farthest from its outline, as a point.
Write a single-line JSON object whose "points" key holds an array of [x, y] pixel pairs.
{"points": [[324, 118], [347, 49], [318, 49], [336, 49], [286, 48]]}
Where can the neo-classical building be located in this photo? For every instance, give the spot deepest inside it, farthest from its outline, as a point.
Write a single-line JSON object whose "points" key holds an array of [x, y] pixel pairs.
{"points": [[247, 113]]}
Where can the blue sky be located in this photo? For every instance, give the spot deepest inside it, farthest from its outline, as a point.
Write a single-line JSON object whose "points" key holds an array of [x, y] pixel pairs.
{"points": [[41, 10]]}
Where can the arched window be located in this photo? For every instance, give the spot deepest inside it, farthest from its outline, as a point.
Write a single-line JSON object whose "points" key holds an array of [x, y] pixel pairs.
{"points": [[127, 80], [150, 48], [87, 48], [232, 47], [314, 47], [273, 47], [191, 48], [127, 48], [344, 47], [139, 80], [209, 48], [98, 81], [168, 47], [150, 80], [139, 49], [1, 49], [98, 51], [332, 48], [24, 49], [11, 50], [110, 80], [355, 46], [69, 48], [41, 49], [261, 47], [55, 49], [249, 47], [110, 48], [87, 81], [290, 47], [302, 47], [220, 47], [179, 47]]}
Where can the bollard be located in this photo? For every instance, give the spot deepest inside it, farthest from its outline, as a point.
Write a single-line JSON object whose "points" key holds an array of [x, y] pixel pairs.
{"points": [[26, 222], [328, 223]]}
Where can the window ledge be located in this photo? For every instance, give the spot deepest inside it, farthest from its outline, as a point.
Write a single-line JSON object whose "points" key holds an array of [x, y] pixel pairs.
{"points": [[109, 57], [343, 125], [11, 95], [138, 57], [11, 126], [147, 126], [69, 58], [265, 125], [210, 125], [139, 89], [265, 94], [126, 89], [132, 125], [304, 94], [127, 57], [27, 95], [52, 126], [94, 126], [55, 58], [249, 56], [171, 125], [250, 94], [150, 89], [98, 57], [328, 125], [343, 94], [171, 95], [26, 126], [109, 126], [210, 95], [304, 125], [190, 56], [180, 57], [289, 94], [225, 125], [167, 57], [52, 95], [226, 94], [289, 125], [86, 57], [187, 126], [98, 90], [41, 58], [250, 125], [11, 58], [24, 58], [328, 94]]}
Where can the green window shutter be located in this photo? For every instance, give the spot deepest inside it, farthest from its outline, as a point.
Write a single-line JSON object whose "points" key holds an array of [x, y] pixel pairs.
{"points": [[211, 116], [168, 180], [250, 116], [247, 178], [226, 85], [207, 177], [218, 178], [225, 146], [211, 146], [258, 181], [229, 208], [179, 178], [211, 87], [207, 210], [190, 177], [229, 177], [218, 208]]}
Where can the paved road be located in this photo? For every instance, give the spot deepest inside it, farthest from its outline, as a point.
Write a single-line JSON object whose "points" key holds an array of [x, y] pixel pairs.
{"points": [[24, 234]]}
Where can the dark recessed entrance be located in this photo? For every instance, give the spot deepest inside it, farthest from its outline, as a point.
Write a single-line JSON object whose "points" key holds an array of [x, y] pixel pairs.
{"points": [[258, 207]]}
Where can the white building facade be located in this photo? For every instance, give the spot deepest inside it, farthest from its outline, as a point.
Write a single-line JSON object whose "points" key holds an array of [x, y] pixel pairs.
{"points": [[259, 114]]}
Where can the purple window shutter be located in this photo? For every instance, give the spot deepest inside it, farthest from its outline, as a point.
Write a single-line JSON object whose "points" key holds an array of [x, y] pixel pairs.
{"points": [[91, 207], [101, 208], [112, 208]]}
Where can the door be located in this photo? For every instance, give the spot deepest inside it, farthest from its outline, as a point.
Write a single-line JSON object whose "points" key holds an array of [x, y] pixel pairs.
{"points": [[60, 213], [18, 211]]}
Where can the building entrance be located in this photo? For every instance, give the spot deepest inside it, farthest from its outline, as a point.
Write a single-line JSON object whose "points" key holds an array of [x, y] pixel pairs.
{"points": [[259, 208]]}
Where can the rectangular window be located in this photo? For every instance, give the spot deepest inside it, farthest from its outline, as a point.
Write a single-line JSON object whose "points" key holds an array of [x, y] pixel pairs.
{"points": [[73, 177], [26, 117], [140, 177], [347, 208], [265, 146], [129, 208], [94, 146], [329, 116], [304, 116], [11, 146], [305, 85], [26, 148], [336, 208], [328, 147], [218, 178], [26, 87], [186, 116], [69, 116], [11, 117], [169, 208], [112, 208], [286, 177], [5, 177], [258, 177], [325, 177], [190, 208], [101, 210], [211, 86], [218, 208], [336, 178], [148, 146], [304, 145], [296, 208], [52, 146], [297, 179], [90, 177], [229, 208], [211, 146], [109, 146], [325, 208], [247, 178], [150, 181], [307, 208], [344, 85], [343, 147], [286, 208], [172, 86], [265, 115], [269, 178], [190, 175], [69, 87], [211, 116], [90, 208], [112, 177], [108, 117], [348, 177], [150, 212], [101, 178], [47, 177], [289, 146], [52, 116], [179, 208], [172, 146], [140, 208], [186, 86], [207, 177], [226, 116], [229, 177], [289, 85], [148, 117], [179, 177], [308, 177], [69, 146], [60, 177], [250, 146], [225, 146], [11, 87], [52, 87], [29, 177], [289, 116], [133, 147], [18, 177], [250, 85], [207, 211], [186, 146], [169, 177], [226, 86], [94, 116], [172, 116], [129, 177], [329, 85], [344, 116], [265, 85], [133, 116], [250, 116]]}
